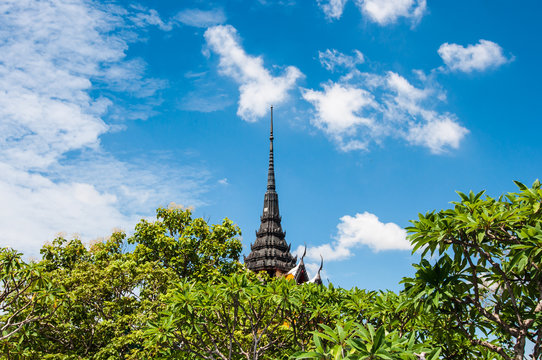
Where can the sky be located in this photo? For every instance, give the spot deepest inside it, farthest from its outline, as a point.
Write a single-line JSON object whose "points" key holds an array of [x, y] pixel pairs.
{"points": [[382, 110]]}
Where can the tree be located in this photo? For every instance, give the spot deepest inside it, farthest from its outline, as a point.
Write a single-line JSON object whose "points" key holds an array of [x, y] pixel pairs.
{"points": [[190, 247], [241, 316], [26, 296], [362, 342], [112, 290], [485, 278]]}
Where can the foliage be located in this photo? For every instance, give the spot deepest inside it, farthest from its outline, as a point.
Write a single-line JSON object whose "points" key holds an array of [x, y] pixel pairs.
{"points": [[190, 247], [176, 290], [355, 341], [244, 316], [241, 317], [110, 294], [26, 296], [484, 280]]}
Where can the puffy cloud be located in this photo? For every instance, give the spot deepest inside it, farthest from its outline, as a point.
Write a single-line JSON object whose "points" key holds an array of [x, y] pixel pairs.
{"points": [[386, 12], [339, 111], [201, 18], [332, 8], [479, 57], [364, 107], [333, 58], [437, 134], [360, 230], [258, 88], [55, 57]]}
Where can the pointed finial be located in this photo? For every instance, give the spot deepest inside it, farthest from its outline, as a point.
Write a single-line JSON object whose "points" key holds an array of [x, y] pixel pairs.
{"points": [[321, 264], [271, 172], [271, 136]]}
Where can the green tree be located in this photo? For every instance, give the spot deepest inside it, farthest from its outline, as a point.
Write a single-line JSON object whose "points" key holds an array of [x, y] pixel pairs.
{"points": [[26, 295], [355, 341], [484, 280], [241, 316], [113, 289], [188, 246]]}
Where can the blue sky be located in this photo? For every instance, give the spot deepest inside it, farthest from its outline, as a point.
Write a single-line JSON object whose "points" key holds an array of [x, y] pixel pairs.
{"points": [[383, 108]]}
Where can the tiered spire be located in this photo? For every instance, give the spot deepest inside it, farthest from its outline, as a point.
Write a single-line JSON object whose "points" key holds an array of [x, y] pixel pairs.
{"points": [[270, 252]]}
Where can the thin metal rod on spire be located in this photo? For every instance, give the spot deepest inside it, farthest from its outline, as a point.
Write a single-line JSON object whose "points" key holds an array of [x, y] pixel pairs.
{"points": [[271, 172], [271, 137]]}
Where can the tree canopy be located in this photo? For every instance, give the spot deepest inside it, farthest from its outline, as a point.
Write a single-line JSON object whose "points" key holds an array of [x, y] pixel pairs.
{"points": [[482, 270], [175, 290]]}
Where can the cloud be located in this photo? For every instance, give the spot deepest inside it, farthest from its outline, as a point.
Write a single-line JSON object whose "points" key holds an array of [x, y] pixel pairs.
{"points": [[382, 12], [340, 112], [366, 107], [333, 58], [360, 230], [205, 100], [258, 88], [143, 17], [482, 56], [438, 134], [424, 126], [58, 60], [385, 12], [333, 9], [201, 18]]}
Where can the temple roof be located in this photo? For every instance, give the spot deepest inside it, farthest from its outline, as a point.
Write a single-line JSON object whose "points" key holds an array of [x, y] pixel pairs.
{"points": [[270, 252], [317, 279], [299, 272]]}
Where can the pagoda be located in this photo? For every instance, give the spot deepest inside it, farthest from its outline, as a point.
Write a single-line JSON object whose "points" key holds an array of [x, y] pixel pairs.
{"points": [[270, 252]]}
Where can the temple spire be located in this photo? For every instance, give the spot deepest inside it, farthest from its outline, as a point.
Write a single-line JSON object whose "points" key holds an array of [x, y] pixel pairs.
{"points": [[271, 172], [270, 252]]}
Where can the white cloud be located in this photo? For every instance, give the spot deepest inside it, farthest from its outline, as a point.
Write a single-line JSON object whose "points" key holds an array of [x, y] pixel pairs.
{"points": [[201, 18], [333, 58], [332, 8], [339, 111], [484, 55], [386, 12], [365, 107], [143, 17], [383, 12], [424, 126], [437, 134], [55, 177], [258, 88], [360, 230]]}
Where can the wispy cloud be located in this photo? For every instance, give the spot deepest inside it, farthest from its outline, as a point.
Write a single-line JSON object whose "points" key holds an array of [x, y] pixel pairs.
{"points": [[142, 16], [332, 8], [382, 12], [257, 87], [331, 59], [55, 57], [201, 18], [357, 231], [479, 57]]}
